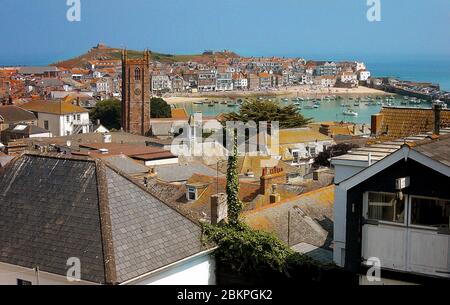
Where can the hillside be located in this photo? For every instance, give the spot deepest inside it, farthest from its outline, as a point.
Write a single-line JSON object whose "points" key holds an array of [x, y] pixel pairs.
{"points": [[102, 52]]}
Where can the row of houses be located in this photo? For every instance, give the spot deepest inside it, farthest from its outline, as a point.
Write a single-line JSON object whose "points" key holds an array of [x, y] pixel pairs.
{"points": [[229, 78]]}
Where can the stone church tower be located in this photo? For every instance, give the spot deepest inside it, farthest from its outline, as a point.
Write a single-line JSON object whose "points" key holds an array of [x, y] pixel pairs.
{"points": [[136, 94]]}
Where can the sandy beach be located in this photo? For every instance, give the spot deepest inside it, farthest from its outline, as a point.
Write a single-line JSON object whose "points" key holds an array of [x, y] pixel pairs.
{"points": [[295, 91]]}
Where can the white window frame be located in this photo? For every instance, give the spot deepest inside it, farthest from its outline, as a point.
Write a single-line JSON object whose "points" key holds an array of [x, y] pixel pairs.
{"points": [[191, 190], [407, 222], [423, 227], [366, 210]]}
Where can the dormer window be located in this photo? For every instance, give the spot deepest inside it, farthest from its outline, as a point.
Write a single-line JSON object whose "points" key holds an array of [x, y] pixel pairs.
{"points": [[191, 193], [137, 74]]}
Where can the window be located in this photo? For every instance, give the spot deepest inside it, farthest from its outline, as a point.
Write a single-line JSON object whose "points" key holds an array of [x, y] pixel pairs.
{"points": [[21, 282], [385, 207], [137, 74], [67, 118], [192, 193], [295, 156], [430, 212], [46, 125], [312, 151], [78, 117]]}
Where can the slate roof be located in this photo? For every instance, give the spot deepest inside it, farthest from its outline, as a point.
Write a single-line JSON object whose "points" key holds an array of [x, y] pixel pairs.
{"points": [[53, 208]]}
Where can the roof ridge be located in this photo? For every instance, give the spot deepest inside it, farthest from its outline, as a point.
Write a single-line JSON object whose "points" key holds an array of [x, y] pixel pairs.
{"points": [[109, 260]]}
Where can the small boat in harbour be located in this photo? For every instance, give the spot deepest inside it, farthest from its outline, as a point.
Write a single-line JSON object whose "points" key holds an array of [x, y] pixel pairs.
{"points": [[350, 112], [198, 102]]}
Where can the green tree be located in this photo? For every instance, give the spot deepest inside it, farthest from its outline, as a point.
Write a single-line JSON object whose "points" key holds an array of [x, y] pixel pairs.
{"points": [[159, 108], [108, 112], [256, 110], [234, 203]]}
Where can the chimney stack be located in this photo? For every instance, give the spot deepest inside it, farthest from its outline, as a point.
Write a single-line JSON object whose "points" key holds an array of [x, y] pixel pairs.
{"points": [[270, 176], [219, 208], [437, 108], [375, 124]]}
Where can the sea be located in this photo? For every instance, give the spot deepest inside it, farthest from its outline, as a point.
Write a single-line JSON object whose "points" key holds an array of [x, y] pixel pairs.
{"points": [[327, 109]]}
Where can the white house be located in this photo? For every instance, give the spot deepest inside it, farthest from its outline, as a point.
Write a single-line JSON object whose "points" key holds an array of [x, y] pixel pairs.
{"points": [[161, 83], [392, 208], [87, 221], [363, 75], [59, 117]]}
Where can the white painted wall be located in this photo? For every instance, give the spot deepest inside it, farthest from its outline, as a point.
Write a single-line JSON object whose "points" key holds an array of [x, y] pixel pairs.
{"points": [[197, 270], [10, 273], [58, 124], [161, 162], [407, 249], [340, 221]]}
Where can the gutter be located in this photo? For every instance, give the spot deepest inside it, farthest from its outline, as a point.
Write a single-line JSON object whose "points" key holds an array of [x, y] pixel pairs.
{"points": [[156, 271]]}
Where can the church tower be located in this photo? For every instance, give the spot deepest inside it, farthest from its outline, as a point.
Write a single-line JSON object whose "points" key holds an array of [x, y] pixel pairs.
{"points": [[136, 94]]}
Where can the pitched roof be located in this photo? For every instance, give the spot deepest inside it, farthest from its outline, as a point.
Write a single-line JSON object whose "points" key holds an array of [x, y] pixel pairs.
{"points": [[311, 218], [87, 209], [12, 114], [53, 107]]}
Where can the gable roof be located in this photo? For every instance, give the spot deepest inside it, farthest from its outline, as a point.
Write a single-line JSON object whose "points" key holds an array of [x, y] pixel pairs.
{"points": [[87, 209]]}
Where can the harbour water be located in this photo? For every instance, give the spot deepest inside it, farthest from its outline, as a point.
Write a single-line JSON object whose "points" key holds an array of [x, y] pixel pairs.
{"points": [[327, 109]]}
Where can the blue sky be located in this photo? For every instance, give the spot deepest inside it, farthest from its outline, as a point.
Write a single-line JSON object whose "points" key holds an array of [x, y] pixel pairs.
{"points": [[34, 31]]}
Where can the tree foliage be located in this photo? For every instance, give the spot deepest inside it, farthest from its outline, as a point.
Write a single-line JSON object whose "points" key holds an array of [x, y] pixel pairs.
{"points": [[108, 112], [323, 158], [245, 250], [268, 111], [234, 203], [159, 108]]}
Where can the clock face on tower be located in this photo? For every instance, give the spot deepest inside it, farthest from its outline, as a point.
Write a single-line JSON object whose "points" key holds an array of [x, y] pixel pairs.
{"points": [[137, 91]]}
